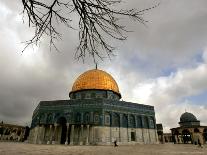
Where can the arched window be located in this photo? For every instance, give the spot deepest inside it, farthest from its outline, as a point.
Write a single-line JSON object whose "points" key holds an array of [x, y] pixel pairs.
{"points": [[151, 123], [124, 121], [42, 118], [78, 117], [139, 122], [107, 118], [86, 118], [96, 118], [145, 122], [49, 118], [116, 120], [132, 121]]}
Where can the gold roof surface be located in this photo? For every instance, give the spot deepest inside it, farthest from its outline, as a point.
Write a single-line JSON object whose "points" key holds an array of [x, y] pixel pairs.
{"points": [[95, 79]]}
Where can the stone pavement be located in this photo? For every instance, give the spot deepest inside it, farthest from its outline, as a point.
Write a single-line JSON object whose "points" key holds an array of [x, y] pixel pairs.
{"points": [[11, 148]]}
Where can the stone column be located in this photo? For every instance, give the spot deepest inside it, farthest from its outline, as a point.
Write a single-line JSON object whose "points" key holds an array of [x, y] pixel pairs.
{"points": [[36, 136], [201, 131], [128, 122], [40, 131], [20, 136], [66, 142], [54, 133], [176, 139], [142, 119], [81, 139], [43, 134], [111, 119], [149, 130], [50, 137], [92, 135], [156, 135], [120, 126], [71, 136], [136, 128], [81, 118], [163, 139], [87, 135], [4, 136]]}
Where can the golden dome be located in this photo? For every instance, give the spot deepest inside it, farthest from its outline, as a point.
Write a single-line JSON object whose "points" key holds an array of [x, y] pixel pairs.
{"points": [[95, 79]]}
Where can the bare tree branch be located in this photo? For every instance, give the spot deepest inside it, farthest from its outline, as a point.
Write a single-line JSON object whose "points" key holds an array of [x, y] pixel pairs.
{"points": [[98, 21]]}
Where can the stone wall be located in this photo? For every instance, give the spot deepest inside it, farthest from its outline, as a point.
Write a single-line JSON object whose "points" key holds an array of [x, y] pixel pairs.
{"points": [[10, 132], [93, 135]]}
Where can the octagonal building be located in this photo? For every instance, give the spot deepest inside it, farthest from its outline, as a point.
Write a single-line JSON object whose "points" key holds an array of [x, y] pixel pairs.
{"points": [[94, 115]]}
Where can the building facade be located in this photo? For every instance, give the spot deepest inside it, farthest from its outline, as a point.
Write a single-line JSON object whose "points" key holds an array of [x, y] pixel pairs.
{"points": [[190, 130], [163, 137], [11, 132], [93, 115]]}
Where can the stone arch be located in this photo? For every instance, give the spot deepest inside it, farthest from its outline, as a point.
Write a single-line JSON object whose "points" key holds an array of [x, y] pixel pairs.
{"points": [[116, 120], [186, 136], [196, 130], [132, 123], [125, 121], [19, 131]]}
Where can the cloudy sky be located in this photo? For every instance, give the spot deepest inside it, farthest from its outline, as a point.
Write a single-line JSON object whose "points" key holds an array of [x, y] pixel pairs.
{"points": [[163, 64]]}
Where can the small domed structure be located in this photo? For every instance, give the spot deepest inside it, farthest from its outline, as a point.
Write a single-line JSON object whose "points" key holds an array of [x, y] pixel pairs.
{"points": [[188, 119], [189, 131]]}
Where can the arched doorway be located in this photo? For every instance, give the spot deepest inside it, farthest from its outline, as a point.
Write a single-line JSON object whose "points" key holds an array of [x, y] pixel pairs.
{"points": [[186, 137], [125, 121], [62, 122]]}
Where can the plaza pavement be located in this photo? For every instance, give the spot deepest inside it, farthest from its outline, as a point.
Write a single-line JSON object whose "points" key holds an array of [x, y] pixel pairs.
{"points": [[12, 148]]}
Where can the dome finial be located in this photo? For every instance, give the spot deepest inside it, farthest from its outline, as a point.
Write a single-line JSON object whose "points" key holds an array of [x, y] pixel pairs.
{"points": [[96, 66]]}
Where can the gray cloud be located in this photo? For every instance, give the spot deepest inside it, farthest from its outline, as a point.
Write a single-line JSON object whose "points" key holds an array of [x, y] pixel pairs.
{"points": [[175, 34]]}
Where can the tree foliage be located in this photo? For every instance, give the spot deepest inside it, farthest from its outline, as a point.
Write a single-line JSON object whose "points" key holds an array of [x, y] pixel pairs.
{"points": [[98, 23]]}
